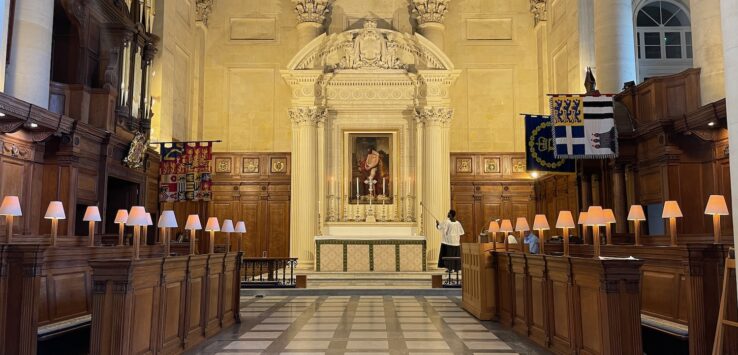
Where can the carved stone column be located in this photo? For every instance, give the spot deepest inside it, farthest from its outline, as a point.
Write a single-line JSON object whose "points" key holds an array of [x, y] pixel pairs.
{"points": [[304, 209], [614, 47], [29, 71], [436, 183], [310, 18], [430, 15]]}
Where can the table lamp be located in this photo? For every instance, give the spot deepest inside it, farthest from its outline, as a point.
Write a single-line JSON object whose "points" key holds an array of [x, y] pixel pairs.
{"points": [[506, 227], [596, 218], [212, 226], [121, 217], [636, 215], [494, 227], [582, 220], [55, 212], [166, 220], [240, 229], [716, 207], [609, 220], [672, 212], [227, 228], [10, 208], [565, 221], [521, 225], [137, 219], [193, 225], [540, 223], [92, 215]]}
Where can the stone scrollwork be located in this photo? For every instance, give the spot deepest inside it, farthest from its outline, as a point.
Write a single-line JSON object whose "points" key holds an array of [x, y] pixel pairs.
{"points": [[538, 9], [370, 49], [434, 115], [311, 10], [203, 8], [307, 115], [430, 10]]}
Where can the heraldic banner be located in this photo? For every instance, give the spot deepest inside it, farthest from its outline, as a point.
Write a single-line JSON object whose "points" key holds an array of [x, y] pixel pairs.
{"points": [[539, 147], [184, 173], [584, 126]]}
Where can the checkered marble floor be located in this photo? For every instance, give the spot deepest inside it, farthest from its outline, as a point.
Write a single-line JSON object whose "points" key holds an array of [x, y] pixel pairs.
{"points": [[362, 325]]}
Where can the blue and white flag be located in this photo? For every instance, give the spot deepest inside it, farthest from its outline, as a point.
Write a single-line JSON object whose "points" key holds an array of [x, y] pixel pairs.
{"points": [[539, 146], [584, 126]]}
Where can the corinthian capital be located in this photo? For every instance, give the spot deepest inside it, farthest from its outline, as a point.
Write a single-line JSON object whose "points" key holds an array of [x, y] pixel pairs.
{"points": [[311, 10], [311, 115], [430, 10], [203, 8], [434, 115], [538, 9]]}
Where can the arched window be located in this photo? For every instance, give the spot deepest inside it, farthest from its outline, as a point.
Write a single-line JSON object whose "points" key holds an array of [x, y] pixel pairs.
{"points": [[663, 39]]}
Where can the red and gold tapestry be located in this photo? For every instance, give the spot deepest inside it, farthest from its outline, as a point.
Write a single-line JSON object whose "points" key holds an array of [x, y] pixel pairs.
{"points": [[184, 173]]}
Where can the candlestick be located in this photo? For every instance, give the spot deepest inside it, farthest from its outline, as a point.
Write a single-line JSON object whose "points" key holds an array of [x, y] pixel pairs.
{"points": [[384, 187], [357, 191]]}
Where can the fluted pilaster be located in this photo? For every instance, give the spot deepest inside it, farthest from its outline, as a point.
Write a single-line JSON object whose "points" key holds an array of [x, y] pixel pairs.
{"points": [[436, 173], [429, 15], [304, 221], [310, 18]]}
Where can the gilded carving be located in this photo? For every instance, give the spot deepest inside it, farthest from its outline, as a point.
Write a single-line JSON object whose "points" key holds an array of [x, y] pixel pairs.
{"points": [[430, 10], [518, 165], [223, 165], [464, 165], [250, 165], [311, 10], [279, 165], [137, 151], [491, 165]]}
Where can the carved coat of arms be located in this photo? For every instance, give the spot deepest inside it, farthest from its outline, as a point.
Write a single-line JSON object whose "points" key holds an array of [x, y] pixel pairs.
{"points": [[136, 153], [370, 49]]}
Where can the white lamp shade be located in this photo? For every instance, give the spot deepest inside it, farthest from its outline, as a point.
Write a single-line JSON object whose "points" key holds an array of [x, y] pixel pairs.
{"points": [[11, 206], [583, 218], [609, 216], [227, 226], [540, 222], [167, 220], [212, 225], [494, 227], [121, 216], [521, 225], [595, 216], [636, 213], [55, 211], [506, 226], [716, 206], [193, 222], [92, 214], [240, 227], [137, 216], [149, 221], [565, 220], [671, 210]]}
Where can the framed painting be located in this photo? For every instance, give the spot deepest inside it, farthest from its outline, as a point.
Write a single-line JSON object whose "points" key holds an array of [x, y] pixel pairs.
{"points": [[371, 174]]}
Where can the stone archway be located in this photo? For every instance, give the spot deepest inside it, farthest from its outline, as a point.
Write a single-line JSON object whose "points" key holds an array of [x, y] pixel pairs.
{"points": [[369, 80]]}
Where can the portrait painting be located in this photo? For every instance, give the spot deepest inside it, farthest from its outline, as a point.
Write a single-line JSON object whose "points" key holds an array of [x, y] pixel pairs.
{"points": [[371, 157]]}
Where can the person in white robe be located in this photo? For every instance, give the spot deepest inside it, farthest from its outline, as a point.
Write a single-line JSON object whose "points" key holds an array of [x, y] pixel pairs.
{"points": [[451, 231]]}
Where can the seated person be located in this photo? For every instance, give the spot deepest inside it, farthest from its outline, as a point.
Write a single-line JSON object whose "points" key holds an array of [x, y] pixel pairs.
{"points": [[532, 242], [511, 239]]}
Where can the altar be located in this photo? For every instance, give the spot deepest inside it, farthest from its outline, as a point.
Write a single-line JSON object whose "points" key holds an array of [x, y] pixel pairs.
{"points": [[366, 247]]}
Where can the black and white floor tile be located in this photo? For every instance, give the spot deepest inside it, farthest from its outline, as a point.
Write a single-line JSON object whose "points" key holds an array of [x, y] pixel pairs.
{"points": [[362, 325]]}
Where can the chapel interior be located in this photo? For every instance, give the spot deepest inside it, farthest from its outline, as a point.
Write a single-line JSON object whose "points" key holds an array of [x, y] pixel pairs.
{"points": [[293, 177]]}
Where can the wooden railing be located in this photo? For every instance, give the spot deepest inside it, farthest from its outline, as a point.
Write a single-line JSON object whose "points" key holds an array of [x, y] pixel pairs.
{"points": [[269, 273], [569, 305], [162, 305]]}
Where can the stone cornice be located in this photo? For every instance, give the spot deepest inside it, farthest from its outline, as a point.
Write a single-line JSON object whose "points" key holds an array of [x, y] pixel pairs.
{"points": [[307, 115], [311, 10], [426, 11]]}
